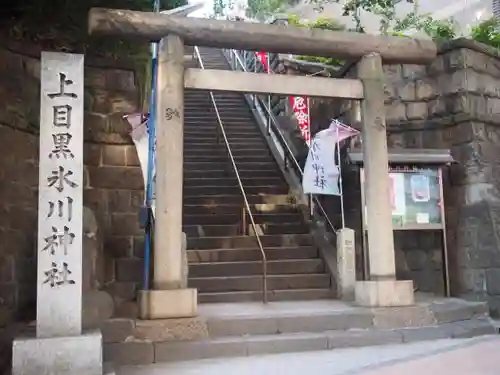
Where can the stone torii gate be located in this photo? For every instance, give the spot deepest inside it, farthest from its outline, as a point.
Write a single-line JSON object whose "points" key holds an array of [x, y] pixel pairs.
{"points": [[169, 297]]}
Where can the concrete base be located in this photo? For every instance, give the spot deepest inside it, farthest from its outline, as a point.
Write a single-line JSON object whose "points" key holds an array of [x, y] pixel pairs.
{"points": [[384, 293], [71, 355], [164, 304]]}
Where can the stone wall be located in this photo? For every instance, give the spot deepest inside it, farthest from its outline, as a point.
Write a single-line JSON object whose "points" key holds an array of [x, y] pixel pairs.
{"points": [[453, 103], [113, 179]]}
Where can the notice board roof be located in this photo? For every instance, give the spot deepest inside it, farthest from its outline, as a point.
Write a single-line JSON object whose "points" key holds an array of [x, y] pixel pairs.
{"points": [[409, 156]]}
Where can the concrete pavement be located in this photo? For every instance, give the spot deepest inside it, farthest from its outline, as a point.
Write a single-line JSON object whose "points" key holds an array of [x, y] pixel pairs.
{"points": [[477, 356]]}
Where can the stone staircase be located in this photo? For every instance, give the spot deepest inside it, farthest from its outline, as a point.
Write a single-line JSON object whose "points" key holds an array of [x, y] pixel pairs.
{"points": [[225, 265]]}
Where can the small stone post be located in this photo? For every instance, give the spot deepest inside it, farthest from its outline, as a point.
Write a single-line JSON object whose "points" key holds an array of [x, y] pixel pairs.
{"points": [[346, 264], [59, 347], [170, 298], [381, 289]]}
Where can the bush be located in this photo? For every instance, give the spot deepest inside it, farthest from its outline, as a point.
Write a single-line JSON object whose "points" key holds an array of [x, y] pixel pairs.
{"points": [[322, 24], [486, 33]]}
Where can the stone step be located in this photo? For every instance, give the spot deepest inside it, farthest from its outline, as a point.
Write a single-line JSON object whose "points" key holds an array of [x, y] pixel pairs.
{"points": [[272, 296], [248, 268], [217, 95], [237, 199], [256, 158], [258, 146], [190, 191], [207, 107], [284, 240], [221, 150], [210, 138], [223, 330], [227, 219], [251, 254], [209, 119], [191, 103], [244, 173], [241, 164], [233, 181], [236, 230], [235, 209], [261, 218], [230, 133], [248, 283]]}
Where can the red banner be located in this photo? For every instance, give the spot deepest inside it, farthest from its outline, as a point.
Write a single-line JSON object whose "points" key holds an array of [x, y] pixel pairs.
{"points": [[262, 56], [300, 104]]}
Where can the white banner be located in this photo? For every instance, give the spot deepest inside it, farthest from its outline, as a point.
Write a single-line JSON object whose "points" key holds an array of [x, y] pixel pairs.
{"points": [[139, 133], [321, 174]]}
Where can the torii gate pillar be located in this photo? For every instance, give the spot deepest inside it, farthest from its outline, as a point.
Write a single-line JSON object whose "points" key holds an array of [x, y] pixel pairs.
{"points": [[170, 297], [382, 288]]}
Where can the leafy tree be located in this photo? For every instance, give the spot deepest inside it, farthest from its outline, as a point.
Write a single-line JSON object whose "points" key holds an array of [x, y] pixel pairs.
{"points": [[487, 32], [220, 7], [264, 9], [390, 24], [322, 24]]}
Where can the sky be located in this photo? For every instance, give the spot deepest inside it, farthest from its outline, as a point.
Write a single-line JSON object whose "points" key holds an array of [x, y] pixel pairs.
{"points": [[207, 7]]}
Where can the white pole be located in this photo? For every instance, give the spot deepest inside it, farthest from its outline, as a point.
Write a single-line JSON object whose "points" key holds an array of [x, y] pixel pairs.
{"points": [[340, 175]]}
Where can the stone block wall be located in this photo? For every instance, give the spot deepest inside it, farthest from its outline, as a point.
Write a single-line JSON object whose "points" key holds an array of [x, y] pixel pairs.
{"points": [[453, 103], [112, 176]]}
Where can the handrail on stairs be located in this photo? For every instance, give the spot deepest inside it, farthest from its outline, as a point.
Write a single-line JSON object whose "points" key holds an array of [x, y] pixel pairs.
{"points": [[246, 207], [272, 125]]}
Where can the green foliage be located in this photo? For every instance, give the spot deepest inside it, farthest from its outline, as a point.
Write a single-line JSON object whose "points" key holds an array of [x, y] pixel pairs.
{"points": [[437, 30], [262, 10], [390, 24], [322, 24], [220, 7], [486, 33]]}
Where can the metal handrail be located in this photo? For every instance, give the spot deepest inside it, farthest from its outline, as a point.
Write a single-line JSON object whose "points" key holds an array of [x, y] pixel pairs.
{"points": [[277, 131], [245, 200]]}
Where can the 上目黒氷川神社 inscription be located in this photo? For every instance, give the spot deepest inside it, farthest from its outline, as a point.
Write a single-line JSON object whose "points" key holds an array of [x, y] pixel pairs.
{"points": [[60, 205]]}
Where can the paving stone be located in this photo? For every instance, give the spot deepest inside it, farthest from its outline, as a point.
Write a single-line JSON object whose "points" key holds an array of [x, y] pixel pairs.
{"points": [[399, 317], [426, 333], [242, 326], [358, 338], [117, 330], [475, 327], [288, 343], [452, 311], [129, 353], [185, 329], [326, 322], [185, 351]]}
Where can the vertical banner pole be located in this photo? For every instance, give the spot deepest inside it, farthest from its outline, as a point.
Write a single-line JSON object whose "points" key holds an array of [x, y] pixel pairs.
{"points": [[340, 175]]}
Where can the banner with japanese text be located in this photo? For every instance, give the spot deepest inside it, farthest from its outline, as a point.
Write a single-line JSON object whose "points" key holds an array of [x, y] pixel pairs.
{"points": [[300, 107], [322, 169]]}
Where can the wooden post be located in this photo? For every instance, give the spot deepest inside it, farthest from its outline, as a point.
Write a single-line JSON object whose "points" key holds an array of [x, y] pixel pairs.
{"points": [[382, 289], [168, 299]]}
